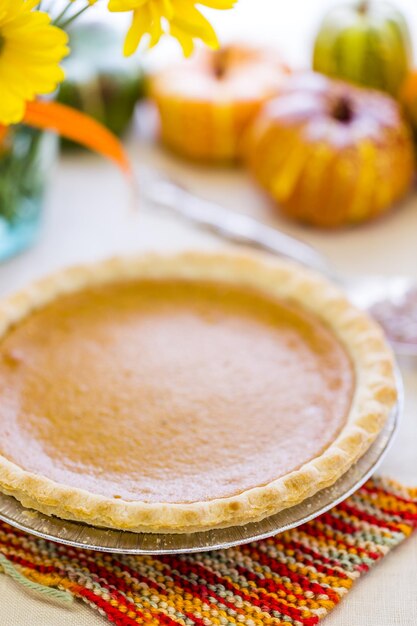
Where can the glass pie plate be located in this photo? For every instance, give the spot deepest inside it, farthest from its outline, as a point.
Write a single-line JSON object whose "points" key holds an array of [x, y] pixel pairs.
{"points": [[106, 540]]}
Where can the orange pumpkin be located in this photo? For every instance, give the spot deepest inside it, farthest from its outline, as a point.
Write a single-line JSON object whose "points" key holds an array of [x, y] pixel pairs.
{"points": [[206, 103], [329, 153]]}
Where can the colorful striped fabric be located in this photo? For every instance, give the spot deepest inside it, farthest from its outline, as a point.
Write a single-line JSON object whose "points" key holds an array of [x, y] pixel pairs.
{"points": [[295, 578]]}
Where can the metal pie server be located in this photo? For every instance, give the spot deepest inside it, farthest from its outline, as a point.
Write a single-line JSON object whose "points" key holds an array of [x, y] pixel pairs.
{"points": [[385, 297]]}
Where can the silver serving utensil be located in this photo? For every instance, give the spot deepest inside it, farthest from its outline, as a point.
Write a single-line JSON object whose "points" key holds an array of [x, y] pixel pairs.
{"points": [[235, 227], [392, 300]]}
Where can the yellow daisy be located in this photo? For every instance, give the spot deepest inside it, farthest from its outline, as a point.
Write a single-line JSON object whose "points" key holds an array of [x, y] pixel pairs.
{"points": [[31, 49], [179, 18]]}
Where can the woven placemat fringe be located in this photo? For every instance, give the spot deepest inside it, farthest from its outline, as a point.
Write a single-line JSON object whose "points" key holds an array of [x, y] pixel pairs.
{"points": [[295, 578], [51, 593]]}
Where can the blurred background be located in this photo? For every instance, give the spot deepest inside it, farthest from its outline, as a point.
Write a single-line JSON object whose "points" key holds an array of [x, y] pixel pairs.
{"points": [[89, 212]]}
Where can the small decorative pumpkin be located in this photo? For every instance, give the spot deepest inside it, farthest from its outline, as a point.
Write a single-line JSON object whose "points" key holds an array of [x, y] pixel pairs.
{"points": [[329, 153], [367, 43], [206, 102]]}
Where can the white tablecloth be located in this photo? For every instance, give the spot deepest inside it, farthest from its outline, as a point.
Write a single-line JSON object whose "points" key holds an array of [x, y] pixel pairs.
{"points": [[87, 218]]}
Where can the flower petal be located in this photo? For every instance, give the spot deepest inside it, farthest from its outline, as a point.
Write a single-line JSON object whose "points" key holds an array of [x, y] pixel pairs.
{"points": [[78, 127], [117, 6], [184, 39], [32, 49], [183, 20], [141, 24], [221, 5], [190, 20]]}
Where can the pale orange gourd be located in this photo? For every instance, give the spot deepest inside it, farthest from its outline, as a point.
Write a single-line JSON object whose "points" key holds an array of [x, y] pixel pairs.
{"points": [[206, 103]]}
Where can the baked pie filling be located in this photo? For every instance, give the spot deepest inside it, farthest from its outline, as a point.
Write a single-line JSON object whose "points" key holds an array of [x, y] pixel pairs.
{"points": [[169, 391]]}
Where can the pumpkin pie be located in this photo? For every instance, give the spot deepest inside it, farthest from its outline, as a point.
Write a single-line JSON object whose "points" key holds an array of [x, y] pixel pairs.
{"points": [[187, 392]]}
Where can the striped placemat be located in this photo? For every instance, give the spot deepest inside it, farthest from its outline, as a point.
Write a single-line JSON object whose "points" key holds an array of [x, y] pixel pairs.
{"points": [[295, 578]]}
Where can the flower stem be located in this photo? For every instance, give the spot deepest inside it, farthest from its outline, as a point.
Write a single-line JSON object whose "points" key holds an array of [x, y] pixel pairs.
{"points": [[62, 14], [69, 21]]}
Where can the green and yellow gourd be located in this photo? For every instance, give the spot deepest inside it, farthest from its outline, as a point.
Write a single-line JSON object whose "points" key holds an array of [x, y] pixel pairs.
{"points": [[367, 43]]}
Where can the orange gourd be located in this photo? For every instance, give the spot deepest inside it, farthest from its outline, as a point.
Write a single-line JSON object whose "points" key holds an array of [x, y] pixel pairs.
{"points": [[330, 154], [206, 103]]}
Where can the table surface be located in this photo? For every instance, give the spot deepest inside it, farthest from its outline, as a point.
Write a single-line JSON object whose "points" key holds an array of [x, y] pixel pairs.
{"points": [[88, 217]]}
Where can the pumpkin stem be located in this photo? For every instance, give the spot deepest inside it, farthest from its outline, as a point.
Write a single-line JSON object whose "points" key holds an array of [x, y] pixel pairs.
{"points": [[221, 62], [342, 110]]}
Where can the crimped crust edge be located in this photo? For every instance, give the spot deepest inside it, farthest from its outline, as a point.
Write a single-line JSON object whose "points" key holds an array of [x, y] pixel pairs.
{"points": [[375, 393]]}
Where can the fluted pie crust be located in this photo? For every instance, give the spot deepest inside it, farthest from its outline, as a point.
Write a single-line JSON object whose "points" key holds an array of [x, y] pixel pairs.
{"points": [[373, 398]]}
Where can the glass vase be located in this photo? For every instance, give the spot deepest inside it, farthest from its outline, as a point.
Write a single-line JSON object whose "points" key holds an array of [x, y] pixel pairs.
{"points": [[26, 158]]}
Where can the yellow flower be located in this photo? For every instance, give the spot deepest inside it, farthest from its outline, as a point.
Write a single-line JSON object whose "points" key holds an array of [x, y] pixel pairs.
{"points": [[178, 17], [30, 52]]}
